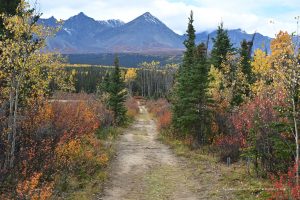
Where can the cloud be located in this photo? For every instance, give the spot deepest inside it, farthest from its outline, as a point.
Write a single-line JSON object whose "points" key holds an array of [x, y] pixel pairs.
{"points": [[244, 14]]}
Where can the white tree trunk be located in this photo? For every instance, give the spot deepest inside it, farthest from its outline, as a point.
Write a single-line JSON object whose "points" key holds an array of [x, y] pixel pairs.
{"points": [[296, 141]]}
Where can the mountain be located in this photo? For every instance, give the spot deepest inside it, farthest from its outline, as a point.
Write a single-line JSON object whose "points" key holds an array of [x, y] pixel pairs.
{"points": [[143, 34], [236, 37], [77, 33], [81, 34]]}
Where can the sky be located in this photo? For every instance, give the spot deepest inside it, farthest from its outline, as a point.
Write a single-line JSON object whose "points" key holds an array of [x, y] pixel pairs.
{"points": [[264, 16]]}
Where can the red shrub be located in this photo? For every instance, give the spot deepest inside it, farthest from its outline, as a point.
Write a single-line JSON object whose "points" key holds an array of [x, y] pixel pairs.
{"points": [[161, 110], [74, 119], [259, 112], [165, 120], [286, 187]]}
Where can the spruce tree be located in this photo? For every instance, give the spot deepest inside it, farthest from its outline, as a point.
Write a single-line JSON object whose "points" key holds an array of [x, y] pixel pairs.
{"points": [[201, 101], [117, 94], [222, 46], [183, 117], [246, 61], [105, 85], [190, 97], [245, 64]]}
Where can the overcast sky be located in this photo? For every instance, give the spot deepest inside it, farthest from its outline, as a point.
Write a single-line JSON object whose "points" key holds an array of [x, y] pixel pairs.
{"points": [[249, 15]]}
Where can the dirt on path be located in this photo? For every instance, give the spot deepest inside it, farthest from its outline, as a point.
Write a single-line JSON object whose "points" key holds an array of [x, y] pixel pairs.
{"points": [[146, 169]]}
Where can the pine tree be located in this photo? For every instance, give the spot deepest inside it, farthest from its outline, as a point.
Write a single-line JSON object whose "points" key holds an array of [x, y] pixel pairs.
{"points": [[222, 46], [105, 85], [190, 99], [200, 82], [117, 93], [246, 61], [183, 117]]}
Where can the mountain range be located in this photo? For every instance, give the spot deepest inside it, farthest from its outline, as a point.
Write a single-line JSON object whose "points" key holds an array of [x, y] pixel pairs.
{"points": [[81, 34]]}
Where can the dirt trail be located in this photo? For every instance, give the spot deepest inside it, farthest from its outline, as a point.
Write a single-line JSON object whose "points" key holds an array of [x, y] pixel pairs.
{"points": [[145, 168]]}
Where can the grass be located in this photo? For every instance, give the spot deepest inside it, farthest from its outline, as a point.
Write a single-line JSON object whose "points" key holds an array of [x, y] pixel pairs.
{"points": [[84, 190], [221, 180], [159, 186]]}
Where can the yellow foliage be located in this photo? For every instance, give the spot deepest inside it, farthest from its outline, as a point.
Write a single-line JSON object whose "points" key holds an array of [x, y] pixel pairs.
{"points": [[103, 159], [68, 152], [271, 71], [261, 67], [281, 46], [261, 63], [130, 74], [216, 88]]}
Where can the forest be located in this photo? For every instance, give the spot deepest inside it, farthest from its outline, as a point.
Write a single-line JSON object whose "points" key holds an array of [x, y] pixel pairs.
{"points": [[60, 122]]}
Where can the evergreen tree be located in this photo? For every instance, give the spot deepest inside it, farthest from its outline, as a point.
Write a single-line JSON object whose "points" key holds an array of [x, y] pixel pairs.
{"points": [[246, 61], [190, 98], [105, 85], [200, 82], [115, 87], [222, 46], [183, 118]]}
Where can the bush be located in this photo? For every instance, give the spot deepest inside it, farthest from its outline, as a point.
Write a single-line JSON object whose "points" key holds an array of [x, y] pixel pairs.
{"points": [[57, 139], [132, 107], [161, 110], [286, 187]]}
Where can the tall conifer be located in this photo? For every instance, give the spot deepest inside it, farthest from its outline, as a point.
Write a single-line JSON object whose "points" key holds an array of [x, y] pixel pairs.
{"points": [[222, 46], [115, 87], [190, 97], [246, 61], [182, 118]]}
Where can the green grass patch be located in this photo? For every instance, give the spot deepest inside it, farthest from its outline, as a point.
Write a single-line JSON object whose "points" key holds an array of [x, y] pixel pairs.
{"points": [[108, 133]]}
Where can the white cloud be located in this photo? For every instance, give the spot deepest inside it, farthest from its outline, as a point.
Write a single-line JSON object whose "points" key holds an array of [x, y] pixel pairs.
{"points": [[245, 14]]}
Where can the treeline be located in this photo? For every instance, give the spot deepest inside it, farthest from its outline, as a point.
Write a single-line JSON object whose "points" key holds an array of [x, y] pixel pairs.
{"points": [[150, 80], [126, 59], [247, 107]]}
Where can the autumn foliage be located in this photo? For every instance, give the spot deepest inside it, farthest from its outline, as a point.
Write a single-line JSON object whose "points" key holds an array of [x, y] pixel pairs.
{"points": [[58, 139], [286, 187], [161, 110]]}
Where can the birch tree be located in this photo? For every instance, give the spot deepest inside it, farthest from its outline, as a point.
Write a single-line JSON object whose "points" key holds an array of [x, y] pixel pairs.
{"points": [[26, 70]]}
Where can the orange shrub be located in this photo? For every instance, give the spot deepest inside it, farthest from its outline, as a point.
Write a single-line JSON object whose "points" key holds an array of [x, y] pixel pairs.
{"points": [[165, 120], [161, 110], [55, 137], [81, 154], [33, 189], [74, 119]]}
